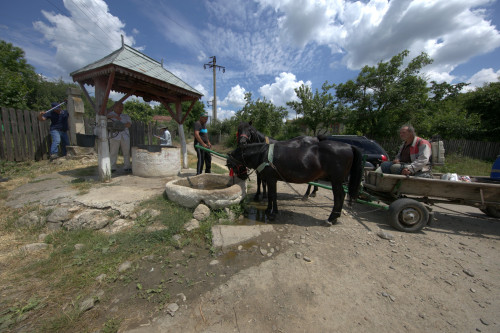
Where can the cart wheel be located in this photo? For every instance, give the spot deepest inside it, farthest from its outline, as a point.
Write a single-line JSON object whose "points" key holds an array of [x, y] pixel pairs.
{"points": [[492, 212], [408, 215]]}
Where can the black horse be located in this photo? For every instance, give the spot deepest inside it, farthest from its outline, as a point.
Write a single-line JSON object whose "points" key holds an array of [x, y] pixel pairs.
{"points": [[248, 134], [301, 161]]}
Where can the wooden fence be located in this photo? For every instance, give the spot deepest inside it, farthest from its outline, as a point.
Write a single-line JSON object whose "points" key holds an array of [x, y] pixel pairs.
{"points": [[475, 149], [24, 138]]}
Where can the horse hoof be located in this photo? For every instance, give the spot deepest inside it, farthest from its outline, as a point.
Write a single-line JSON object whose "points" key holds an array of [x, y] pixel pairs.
{"points": [[326, 224], [256, 198], [305, 197], [313, 195]]}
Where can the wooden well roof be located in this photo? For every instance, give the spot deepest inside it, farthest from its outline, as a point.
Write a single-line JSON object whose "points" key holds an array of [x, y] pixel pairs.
{"points": [[137, 74]]}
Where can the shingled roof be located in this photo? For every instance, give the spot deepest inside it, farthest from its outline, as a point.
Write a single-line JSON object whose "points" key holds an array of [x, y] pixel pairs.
{"points": [[138, 74]]}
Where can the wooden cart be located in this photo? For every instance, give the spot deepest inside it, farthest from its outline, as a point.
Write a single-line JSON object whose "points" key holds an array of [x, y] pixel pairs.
{"points": [[409, 198]]}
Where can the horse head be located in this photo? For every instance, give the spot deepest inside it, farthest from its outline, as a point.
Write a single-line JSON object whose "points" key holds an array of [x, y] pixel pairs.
{"points": [[234, 162], [246, 133]]}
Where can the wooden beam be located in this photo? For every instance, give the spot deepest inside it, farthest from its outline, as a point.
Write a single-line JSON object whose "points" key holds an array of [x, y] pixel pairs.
{"points": [[188, 111], [111, 78], [167, 106], [121, 100], [86, 93]]}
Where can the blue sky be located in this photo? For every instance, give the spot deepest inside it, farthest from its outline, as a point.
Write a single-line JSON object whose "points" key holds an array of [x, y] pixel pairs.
{"points": [[268, 47]]}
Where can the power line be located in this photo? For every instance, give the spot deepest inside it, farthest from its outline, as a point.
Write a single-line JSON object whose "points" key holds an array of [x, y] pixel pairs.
{"points": [[60, 11]]}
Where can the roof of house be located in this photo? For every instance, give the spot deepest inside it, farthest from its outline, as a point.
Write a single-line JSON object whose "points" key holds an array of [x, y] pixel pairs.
{"points": [[135, 71]]}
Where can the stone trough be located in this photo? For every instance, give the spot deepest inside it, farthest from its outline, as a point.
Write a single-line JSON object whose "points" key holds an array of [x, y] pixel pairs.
{"points": [[216, 191]]}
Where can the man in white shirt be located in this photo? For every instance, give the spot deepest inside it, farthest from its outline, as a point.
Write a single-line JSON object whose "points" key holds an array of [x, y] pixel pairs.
{"points": [[166, 138], [122, 139]]}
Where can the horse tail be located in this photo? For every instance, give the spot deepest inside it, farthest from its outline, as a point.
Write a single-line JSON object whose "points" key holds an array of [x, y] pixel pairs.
{"points": [[355, 174]]}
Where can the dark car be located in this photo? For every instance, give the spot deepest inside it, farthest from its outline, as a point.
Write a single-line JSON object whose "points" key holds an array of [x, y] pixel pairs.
{"points": [[375, 154]]}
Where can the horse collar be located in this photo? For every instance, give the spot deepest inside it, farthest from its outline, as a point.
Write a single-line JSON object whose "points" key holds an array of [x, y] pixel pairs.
{"points": [[270, 154]]}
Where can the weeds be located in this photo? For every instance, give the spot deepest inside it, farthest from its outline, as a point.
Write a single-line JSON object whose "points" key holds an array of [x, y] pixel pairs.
{"points": [[464, 166]]}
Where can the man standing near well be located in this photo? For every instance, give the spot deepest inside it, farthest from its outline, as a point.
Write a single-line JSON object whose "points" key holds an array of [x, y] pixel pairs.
{"points": [[121, 139], [58, 128]]}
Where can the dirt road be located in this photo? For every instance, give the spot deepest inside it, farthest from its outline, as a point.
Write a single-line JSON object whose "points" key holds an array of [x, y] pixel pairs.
{"points": [[304, 277]]}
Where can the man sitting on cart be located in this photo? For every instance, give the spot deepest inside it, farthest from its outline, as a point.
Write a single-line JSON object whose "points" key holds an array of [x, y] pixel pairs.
{"points": [[413, 156]]}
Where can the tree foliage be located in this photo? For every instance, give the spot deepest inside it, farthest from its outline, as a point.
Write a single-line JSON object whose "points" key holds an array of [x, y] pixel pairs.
{"points": [[265, 116], [17, 77], [317, 110], [384, 96], [485, 102]]}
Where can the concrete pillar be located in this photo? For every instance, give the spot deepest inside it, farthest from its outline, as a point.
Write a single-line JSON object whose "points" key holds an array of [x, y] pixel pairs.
{"points": [[76, 111]]}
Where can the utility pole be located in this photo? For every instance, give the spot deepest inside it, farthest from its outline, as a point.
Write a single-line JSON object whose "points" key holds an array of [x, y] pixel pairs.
{"points": [[214, 65]]}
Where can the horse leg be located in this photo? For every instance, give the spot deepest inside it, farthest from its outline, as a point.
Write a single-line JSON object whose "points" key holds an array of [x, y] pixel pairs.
{"points": [[272, 205], [306, 195], [257, 194], [264, 189], [338, 198], [313, 194]]}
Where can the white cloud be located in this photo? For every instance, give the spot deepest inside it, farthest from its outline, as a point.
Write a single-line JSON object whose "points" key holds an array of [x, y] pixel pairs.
{"points": [[89, 33], [484, 76], [235, 97], [451, 32], [282, 90], [224, 114]]}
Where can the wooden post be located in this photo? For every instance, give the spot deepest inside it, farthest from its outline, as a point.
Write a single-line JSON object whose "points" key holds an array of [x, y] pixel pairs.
{"points": [[178, 107], [104, 164]]}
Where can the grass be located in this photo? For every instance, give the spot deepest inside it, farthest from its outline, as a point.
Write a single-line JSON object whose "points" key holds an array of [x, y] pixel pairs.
{"points": [[462, 165], [46, 288]]}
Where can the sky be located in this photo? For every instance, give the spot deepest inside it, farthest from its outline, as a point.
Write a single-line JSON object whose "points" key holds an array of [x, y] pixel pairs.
{"points": [[267, 47]]}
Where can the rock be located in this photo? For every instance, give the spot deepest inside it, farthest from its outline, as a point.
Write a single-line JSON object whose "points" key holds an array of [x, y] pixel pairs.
{"points": [[202, 212], [230, 214], [94, 219], [42, 237], [385, 235], [54, 226], [392, 298], [156, 227], [263, 251], [78, 247], [182, 296], [124, 266], [152, 213], [60, 214], [117, 226], [34, 247], [299, 255], [101, 278], [214, 262], [32, 219], [192, 225], [307, 259], [172, 308], [484, 321], [468, 272], [73, 209], [87, 304]]}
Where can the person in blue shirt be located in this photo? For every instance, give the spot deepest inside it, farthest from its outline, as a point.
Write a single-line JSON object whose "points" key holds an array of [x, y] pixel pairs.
{"points": [[201, 138], [58, 128]]}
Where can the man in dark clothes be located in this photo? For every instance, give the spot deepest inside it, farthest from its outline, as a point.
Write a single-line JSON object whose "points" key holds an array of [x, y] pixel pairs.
{"points": [[201, 138], [58, 128]]}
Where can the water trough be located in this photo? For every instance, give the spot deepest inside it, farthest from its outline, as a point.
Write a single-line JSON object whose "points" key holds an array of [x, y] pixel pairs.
{"points": [[216, 191]]}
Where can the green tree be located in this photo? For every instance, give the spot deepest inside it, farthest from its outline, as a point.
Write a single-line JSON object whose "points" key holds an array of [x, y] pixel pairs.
{"points": [[384, 96], [317, 110], [138, 111], [17, 77], [446, 114], [485, 102], [265, 116]]}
